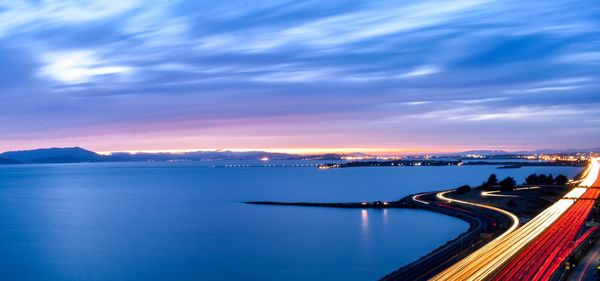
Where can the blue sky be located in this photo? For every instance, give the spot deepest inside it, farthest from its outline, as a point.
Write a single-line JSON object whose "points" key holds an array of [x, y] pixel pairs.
{"points": [[380, 75]]}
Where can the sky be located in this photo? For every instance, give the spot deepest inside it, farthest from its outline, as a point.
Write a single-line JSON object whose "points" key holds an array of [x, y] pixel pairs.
{"points": [[402, 76]]}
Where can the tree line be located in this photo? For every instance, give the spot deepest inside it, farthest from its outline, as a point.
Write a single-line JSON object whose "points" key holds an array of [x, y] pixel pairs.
{"points": [[509, 183], [534, 179]]}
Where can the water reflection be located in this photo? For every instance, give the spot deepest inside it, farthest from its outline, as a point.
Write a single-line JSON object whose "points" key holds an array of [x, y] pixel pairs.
{"points": [[364, 216], [364, 225], [385, 216]]}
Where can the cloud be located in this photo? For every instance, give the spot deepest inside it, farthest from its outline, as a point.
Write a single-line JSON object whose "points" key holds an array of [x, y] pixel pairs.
{"points": [[552, 89], [417, 102], [359, 63], [420, 71], [378, 21], [482, 100], [27, 15], [557, 85], [77, 67], [581, 58], [522, 113], [295, 76]]}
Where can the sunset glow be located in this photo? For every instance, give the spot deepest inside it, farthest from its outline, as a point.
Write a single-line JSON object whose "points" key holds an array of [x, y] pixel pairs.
{"points": [[373, 77]]}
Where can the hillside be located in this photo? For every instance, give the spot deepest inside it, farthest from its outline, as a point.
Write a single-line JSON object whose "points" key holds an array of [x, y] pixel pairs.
{"points": [[53, 155]]}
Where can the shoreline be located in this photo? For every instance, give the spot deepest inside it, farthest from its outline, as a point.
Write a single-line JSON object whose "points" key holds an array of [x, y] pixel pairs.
{"points": [[437, 163], [484, 225]]}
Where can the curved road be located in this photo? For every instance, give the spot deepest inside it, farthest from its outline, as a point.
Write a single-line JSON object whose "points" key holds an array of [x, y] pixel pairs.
{"points": [[513, 217], [485, 262], [453, 251]]}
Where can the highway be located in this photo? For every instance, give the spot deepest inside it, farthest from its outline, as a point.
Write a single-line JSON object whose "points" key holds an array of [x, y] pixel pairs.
{"points": [[586, 269], [494, 193], [513, 217], [417, 198], [488, 260], [551, 249], [482, 223]]}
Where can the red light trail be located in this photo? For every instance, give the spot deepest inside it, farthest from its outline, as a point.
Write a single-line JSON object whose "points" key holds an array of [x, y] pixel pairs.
{"points": [[545, 254]]}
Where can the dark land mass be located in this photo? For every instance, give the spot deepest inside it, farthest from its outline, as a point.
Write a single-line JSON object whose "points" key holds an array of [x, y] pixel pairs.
{"points": [[53, 155], [400, 163], [517, 164], [404, 203], [8, 161], [80, 155], [523, 152]]}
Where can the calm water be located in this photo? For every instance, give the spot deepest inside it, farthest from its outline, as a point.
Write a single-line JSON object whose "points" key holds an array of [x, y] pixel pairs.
{"points": [[183, 221]]}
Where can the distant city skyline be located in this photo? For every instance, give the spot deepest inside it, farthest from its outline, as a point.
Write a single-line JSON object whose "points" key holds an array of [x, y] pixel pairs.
{"points": [[311, 76], [345, 150], [382, 151]]}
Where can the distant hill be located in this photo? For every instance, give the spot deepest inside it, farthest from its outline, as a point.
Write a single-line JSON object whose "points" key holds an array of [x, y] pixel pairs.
{"points": [[216, 155], [328, 156], [198, 156], [558, 151], [484, 152], [54, 155], [8, 161], [80, 155], [524, 152]]}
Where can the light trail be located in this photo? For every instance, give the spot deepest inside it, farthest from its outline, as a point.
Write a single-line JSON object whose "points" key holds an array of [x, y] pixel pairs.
{"points": [[592, 173], [493, 193], [490, 257], [584, 175], [487, 260], [417, 198], [548, 251], [515, 219], [540, 260]]}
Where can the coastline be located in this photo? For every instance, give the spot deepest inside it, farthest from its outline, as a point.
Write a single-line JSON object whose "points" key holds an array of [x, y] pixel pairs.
{"points": [[484, 225]]}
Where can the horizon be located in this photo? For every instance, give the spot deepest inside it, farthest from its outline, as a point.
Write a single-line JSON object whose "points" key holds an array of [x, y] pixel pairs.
{"points": [[418, 77], [312, 151]]}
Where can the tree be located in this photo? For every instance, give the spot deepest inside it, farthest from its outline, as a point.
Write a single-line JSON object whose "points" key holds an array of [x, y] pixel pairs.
{"points": [[561, 180], [508, 183], [532, 179], [462, 189], [491, 181], [542, 179], [550, 179]]}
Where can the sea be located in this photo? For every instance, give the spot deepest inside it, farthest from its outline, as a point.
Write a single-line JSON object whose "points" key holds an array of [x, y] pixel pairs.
{"points": [[187, 220]]}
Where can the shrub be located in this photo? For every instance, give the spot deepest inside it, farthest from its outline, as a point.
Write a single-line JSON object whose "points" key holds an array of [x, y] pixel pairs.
{"points": [[508, 183], [462, 189], [561, 180]]}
